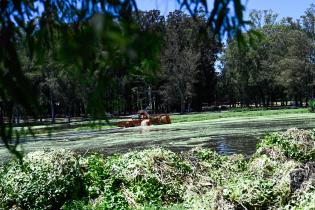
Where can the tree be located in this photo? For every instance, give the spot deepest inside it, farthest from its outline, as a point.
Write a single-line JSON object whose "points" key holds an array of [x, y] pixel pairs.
{"points": [[179, 61], [296, 74], [208, 47], [276, 66]]}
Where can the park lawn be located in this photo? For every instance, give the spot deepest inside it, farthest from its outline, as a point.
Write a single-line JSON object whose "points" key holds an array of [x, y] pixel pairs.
{"points": [[61, 127], [227, 114]]}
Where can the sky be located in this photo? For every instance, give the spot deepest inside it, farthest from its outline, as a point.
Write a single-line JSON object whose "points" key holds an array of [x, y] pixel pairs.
{"points": [[285, 8]]}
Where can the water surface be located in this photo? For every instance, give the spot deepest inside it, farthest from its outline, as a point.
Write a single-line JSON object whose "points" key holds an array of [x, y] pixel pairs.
{"points": [[226, 135]]}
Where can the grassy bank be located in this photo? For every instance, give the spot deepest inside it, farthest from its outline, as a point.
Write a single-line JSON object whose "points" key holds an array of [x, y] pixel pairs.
{"points": [[235, 113], [279, 175]]}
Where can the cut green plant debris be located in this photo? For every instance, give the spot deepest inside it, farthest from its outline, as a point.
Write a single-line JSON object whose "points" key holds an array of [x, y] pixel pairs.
{"points": [[280, 175]]}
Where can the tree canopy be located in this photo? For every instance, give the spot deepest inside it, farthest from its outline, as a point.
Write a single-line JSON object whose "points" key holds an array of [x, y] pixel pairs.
{"points": [[277, 66]]}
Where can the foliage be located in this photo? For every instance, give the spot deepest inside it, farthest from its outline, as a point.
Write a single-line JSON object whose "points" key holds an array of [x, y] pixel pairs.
{"points": [[246, 109], [187, 58], [295, 144], [95, 175], [45, 180], [132, 179], [280, 175], [306, 201], [311, 105], [275, 66]]}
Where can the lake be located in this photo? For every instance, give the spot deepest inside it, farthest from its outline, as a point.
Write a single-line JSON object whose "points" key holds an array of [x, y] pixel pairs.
{"points": [[226, 136]]}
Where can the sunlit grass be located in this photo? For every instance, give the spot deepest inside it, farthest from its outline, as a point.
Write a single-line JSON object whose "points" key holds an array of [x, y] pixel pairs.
{"points": [[226, 114]]}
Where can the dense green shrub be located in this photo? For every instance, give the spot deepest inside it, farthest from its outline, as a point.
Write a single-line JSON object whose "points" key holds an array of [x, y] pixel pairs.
{"points": [[254, 190], [246, 109], [250, 192], [113, 198], [172, 207], [45, 180], [77, 205], [294, 143], [311, 105], [150, 177], [101, 185], [306, 201], [95, 174]]}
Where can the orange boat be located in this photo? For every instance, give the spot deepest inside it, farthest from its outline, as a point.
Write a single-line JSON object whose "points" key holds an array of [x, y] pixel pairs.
{"points": [[147, 120]]}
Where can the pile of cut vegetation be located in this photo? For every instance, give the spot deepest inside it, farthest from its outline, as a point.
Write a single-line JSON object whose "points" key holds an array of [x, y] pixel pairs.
{"points": [[280, 175]]}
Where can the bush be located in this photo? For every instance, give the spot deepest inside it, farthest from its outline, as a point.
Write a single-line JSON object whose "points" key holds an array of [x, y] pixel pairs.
{"points": [[148, 177], [135, 179], [45, 180], [306, 201], [95, 174], [246, 109], [250, 192], [294, 143], [311, 105], [77, 205], [111, 199]]}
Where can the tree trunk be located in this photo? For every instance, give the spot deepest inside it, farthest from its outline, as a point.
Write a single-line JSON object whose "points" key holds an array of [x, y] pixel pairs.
{"points": [[69, 114], [263, 99], [182, 103], [150, 97], [182, 106], [17, 115], [52, 109]]}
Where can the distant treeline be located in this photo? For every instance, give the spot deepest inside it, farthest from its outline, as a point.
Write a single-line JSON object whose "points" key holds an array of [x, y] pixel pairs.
{"points": [[276, 65], [191, 68]]}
